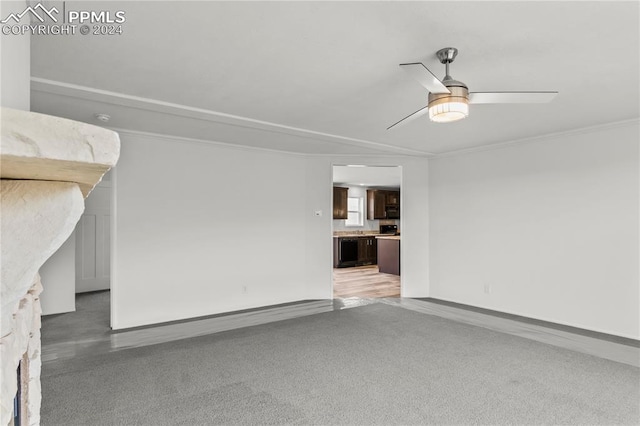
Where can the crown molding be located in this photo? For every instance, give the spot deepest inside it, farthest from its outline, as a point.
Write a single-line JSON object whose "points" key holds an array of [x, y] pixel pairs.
{"points": [[207, 142], [380, 155], [540, 138], [153, 105]]}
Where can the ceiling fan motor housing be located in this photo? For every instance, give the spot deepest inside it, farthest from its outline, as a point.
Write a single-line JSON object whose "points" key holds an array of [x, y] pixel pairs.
{"points": [[446, 107]]}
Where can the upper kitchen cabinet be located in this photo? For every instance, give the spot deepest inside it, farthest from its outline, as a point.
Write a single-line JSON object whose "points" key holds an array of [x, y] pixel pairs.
{"points": [[383, 204], [340, 196], [376, 204], [393, 198]]}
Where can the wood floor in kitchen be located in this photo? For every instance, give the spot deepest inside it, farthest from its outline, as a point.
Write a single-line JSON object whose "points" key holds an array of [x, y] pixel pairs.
{"points": [[364, 281]]}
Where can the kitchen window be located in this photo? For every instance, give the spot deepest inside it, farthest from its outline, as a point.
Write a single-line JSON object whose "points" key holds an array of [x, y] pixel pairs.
{"points": [[355, 215]]}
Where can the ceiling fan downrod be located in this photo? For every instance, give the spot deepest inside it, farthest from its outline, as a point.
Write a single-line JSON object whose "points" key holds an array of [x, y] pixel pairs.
{"points": [[446, 56]]}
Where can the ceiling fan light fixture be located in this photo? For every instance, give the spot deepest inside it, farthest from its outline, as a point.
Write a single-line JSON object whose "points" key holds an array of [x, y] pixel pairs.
{"points": [[448, 112], [448, 107], [449, 99]]}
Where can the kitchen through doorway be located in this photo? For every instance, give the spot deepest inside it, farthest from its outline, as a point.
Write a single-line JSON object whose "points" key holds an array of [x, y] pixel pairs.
{"points": [[366, 228]]}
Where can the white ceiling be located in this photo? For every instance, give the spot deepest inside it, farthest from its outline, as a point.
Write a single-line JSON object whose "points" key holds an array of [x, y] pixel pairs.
{"points": [[323, 77]]}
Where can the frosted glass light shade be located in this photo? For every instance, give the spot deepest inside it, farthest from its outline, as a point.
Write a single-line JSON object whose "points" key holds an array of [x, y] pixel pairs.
{"points": [[448, 107], [449, 111]]}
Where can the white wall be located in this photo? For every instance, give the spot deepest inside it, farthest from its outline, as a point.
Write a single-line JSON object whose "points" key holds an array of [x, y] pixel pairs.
{"points": [[197, 223], [59, 279], [550, 225], [318, 248], [15, 63], [413, 208], [58, 276], [202, 229]]}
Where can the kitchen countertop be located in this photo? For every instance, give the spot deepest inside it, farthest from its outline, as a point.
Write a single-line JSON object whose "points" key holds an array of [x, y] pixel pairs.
{"points": [[388, 237]]}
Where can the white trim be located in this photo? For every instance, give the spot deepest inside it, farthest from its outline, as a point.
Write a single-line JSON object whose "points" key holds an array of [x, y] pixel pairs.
{"points": [[211, 142], [390, 155], [539, 138], [113, 243], [147, 104], [184, 139], [97, 95], [539, 318]]}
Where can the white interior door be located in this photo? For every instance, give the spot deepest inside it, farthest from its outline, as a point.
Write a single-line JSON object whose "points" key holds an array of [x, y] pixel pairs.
{"points": [[93, 240]]}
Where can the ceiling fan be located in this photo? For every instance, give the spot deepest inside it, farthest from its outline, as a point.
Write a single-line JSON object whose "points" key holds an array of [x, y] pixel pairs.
{"points": [[449, 99]]}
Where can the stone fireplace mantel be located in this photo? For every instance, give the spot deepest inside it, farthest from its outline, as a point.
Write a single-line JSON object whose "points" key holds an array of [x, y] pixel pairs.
{"points": [[48, 165]]}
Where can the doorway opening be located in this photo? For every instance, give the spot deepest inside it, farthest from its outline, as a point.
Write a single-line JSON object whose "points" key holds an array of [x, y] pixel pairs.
{"points": [[91, 319], [366, 231], [93, 240], [93, 255]]}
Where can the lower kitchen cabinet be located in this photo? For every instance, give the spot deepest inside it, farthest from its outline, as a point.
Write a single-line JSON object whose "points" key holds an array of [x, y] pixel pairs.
{"points": [[389, 256], [354, 251], [367, 251]]}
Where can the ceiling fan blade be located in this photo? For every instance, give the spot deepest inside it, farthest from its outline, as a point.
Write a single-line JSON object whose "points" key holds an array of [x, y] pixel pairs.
{"points": [[511, 97], [410, 117], [425, 77]]}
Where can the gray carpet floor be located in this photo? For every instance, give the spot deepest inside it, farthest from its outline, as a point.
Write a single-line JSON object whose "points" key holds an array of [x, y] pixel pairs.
{"points": [[375, 364], [92, 313]]}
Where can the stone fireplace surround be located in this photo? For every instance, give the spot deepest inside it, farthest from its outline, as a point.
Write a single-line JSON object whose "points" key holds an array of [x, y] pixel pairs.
{"points": [[48, 165]]}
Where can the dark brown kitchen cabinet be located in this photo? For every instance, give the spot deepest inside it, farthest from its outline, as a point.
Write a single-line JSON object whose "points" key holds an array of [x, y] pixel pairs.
{"points": [[393, 198], [354, 251], [340, 196], [367, 251], [382, 204], [376, 204]]}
